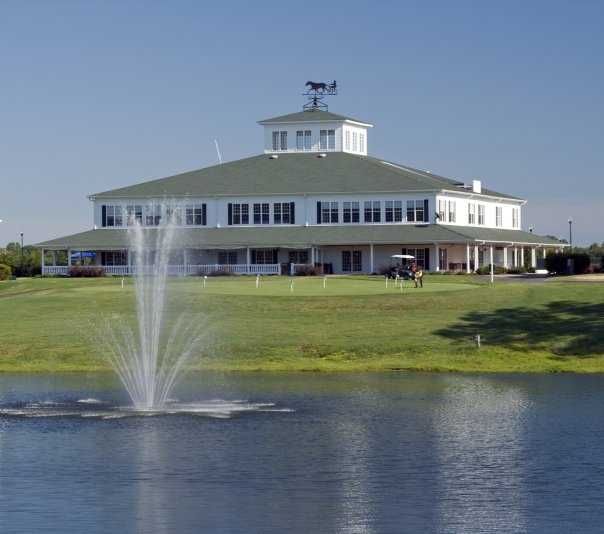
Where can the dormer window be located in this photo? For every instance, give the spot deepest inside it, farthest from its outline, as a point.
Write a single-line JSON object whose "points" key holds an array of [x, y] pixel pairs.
{"points": [[347, 139], [327, 139], [355, 141], [361, 142], [279, 140]]}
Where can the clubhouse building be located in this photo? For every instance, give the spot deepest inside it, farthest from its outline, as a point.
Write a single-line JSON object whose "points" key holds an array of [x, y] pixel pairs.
{"points": [[314, 196]]}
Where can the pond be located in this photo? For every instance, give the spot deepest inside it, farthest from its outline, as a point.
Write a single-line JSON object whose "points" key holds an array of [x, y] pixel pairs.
{"points": [[370, 453]]}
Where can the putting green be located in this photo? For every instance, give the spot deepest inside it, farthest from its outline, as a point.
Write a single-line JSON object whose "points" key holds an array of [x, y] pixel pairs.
{"points": [[312, 286]]}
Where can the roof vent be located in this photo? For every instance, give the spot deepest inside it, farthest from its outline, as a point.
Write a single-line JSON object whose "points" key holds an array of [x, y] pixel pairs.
{"points": [[322, 155], [274, 156], [476, 186]]}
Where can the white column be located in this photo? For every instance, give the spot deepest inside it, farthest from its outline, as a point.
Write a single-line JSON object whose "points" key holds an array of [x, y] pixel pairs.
{"points": [[248, 259], [68, 257], [468, 270], [544, 253], [436, 258], [505, 257], [54, 257], [515, 256], [185, 260], [491, 255], [533, 257], [521, 256], [42, 265], [476, 260], [370, 258], [312, 256]]}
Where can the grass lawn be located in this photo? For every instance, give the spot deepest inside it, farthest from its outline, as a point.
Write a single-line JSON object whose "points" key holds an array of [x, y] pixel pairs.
{"points": [[354, 323]]}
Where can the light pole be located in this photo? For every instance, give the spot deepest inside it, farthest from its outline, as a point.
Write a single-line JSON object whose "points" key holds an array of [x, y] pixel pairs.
{"points": [[570, 233]]}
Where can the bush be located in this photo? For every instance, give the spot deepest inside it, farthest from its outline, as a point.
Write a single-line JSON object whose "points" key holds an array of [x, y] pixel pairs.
{"points": [[306, 270], [516, 270], [78, 271], [5, 272], [486, 269], [220, 272], [558, 263]]}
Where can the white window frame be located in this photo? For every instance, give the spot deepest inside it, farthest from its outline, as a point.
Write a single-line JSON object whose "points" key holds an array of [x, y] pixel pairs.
{"points": [[498, 216]]}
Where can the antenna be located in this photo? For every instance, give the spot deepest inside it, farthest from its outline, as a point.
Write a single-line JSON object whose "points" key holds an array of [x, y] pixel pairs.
{"points": [[218, 151]]}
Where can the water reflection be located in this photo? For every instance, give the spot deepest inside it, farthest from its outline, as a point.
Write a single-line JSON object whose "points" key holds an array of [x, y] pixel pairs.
{"points": [[480, 434]]}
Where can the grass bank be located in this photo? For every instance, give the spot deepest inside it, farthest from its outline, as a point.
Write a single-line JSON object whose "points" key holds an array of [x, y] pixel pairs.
{"points": [[354, 323]]}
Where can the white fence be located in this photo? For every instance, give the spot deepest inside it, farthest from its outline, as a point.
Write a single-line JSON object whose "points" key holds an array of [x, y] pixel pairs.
{"points": [[174, 270]]}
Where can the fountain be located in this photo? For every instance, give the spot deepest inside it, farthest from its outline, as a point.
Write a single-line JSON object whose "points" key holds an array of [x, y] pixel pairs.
{"points": [[150, 357]]}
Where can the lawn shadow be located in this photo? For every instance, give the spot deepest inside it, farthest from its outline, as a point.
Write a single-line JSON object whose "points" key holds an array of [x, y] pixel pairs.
{"points": [[566, 328]]}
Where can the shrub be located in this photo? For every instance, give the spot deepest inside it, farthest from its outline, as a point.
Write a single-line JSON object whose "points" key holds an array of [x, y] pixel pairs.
{"points": [[516, 270], [486, 269], [86, 272], [5, 272], [306, 270], [384, 270], [220, 272], [559, 262]]}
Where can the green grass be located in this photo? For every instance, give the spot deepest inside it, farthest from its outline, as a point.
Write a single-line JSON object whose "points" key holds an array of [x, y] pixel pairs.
{"points": [[354, 323]]}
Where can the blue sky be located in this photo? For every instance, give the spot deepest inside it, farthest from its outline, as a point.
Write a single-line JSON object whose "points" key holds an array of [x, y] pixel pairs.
{"points": [[96, 95]]}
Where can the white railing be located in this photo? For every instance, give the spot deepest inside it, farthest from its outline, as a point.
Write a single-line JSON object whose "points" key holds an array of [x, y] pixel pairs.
{"points": [[173, 270]]}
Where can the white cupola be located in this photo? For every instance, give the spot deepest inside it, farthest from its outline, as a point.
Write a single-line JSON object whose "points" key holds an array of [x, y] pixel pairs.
{"points": [[315, 131]]}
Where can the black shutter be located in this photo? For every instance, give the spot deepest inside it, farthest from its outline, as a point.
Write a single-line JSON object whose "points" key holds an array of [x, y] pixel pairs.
{"points": [[104, 216], [292, 213], [275, 255], [318, 213], [426, 212], [230, 214], [427, 259], [253, 257], [204, 215]]}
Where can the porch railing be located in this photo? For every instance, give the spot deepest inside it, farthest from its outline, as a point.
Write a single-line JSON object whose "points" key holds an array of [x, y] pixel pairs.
{"points": [[174, 270]]}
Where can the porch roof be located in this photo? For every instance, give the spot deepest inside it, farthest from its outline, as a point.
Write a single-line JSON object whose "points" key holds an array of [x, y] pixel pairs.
{"points": [[305, 236]]}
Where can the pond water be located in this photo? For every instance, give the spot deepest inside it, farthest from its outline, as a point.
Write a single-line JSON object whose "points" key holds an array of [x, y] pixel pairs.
{"points": [[373, 453]]}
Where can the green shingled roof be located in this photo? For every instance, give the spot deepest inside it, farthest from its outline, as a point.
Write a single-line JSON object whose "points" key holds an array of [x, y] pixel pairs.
{"points": [[305, 236], [310, 116], [294, 174]]}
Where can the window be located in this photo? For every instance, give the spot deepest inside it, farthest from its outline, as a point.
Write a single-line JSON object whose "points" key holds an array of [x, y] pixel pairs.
{"points": [[355, 138], [114, 257], [347, 139], [515, 217], [331, 139], [279, 140], [240, 214], [443, 263], [481, 215], [227, 257], [352, 261], [471, 213], [174, 215], [134, 214], [298, 256], [264, 256], [262, 213], [442, 207], [452, 211], [394, 211], [112, 216], [419, 255], [416, 210], [351, 212], [328, 212], [373, 211], [303, 140], [283, 213], [361, 142], [307, 140], [153, 215], [498, 216], [195, 215]]}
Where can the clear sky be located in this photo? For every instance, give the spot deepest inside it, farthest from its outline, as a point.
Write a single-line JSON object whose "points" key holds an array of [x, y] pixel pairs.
{"points": [[96, 95]]}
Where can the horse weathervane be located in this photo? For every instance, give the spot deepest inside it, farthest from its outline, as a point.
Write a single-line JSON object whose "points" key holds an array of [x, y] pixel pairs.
{"points": [[316, 92]]}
